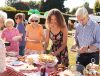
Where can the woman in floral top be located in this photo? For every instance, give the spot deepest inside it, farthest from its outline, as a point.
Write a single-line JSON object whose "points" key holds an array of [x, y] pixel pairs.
{"points": [[57, 32]]}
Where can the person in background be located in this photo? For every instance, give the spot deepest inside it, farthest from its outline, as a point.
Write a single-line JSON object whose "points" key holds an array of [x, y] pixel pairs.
{"points": [[3, 17], [34, 35], [57, 32], [87, 38], [8, 35], [24, 20], [20, 26]]}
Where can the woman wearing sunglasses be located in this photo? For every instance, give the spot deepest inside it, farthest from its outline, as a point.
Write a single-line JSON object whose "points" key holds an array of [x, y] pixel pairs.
{"points": [[34, 36]]}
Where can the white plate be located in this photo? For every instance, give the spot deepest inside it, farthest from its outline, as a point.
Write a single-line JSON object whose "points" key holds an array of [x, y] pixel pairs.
{"points": [[38, 74], [34, 56], [16, 63], [12, 53]]}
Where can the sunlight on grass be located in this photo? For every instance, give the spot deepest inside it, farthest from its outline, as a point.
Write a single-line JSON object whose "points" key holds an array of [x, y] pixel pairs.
{"points": [[72, 55]]}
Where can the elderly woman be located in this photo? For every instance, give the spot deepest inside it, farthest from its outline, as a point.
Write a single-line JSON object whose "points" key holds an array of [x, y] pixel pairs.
{"points": [[10, 34], [3, 16], [34, 36]]}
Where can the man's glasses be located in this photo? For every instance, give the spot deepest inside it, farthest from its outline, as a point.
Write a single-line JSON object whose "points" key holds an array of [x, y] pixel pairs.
{"points": [[34, 20]]}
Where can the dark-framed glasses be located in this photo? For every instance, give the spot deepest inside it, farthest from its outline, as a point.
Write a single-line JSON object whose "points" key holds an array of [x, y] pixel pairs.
{"points": [[34, 20]]}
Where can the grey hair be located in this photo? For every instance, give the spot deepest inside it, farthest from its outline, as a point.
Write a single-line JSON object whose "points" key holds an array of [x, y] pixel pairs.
{"points": [[3, 15], [34, 17], [9, 20], [82, 11]]}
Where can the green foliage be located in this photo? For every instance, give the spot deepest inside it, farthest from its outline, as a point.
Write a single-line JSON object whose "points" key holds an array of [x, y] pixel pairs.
{"points": [[86, 5], [73, 11], [21, 5], [8, 8], [97, 6], [50, 4], [10, 2], [34, 4]]}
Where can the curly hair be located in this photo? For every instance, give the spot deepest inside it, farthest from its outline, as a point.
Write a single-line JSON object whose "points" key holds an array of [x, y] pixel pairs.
{"points": [[59, 17]]}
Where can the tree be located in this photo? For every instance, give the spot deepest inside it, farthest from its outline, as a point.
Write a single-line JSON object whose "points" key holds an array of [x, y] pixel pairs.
{"points": [[21, 5], [10, 2], [97, 6], [73, 11], [86, 5], [49, 4], [67, 10], [34, 4]]}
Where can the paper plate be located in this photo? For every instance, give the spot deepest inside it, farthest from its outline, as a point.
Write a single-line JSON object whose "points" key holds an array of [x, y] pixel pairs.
{"points": [[16, 63]]}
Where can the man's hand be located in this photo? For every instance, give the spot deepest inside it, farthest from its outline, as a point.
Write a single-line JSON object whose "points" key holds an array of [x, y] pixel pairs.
{"points": [[93, 48], [83, 50]]}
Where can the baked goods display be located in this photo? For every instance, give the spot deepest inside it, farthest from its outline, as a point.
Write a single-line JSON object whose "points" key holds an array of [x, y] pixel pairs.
{"points": [[92, 69], [29, 60], [43, 59], [21, 58], [46, 58]]}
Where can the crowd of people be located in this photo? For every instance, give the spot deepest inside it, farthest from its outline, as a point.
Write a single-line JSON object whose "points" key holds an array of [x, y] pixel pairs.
{"points": [[29, 38]]}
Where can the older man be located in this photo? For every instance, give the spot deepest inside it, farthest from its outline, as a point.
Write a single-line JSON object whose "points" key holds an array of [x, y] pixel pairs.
{"points": [[87, 38]]}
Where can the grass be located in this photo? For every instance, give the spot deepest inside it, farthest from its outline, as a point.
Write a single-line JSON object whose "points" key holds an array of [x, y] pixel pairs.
{"points": [[72, 55]]}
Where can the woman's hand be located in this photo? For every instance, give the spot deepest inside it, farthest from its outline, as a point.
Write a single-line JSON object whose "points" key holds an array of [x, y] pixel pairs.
{"points": [[73, 48], [55, 53]]}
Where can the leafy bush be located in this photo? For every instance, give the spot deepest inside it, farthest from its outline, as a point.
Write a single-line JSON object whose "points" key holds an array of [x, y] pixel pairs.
{"points": [[8, 8]]}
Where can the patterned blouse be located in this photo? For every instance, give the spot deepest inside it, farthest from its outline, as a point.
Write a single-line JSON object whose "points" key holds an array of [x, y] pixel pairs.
{"points": [[57, 43]]}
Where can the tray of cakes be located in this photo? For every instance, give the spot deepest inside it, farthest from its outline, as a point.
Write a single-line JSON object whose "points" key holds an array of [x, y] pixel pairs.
{"points": [[42, 59]]}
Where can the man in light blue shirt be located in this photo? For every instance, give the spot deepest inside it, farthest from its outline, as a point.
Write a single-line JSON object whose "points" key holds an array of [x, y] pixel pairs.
{"points": [[87, 38]]}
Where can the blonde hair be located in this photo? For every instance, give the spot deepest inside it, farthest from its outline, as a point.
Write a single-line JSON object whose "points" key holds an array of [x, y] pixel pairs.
{"points": [[9, 20], [59, 17], [34, 17], [82, 11]]}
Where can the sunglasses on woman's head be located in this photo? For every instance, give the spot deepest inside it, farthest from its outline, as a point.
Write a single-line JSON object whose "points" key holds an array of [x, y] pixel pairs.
{"points": [[34, 20]]}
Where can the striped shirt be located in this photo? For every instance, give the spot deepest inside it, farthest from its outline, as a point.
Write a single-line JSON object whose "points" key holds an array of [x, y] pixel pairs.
{"points": [[88, 35]]}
